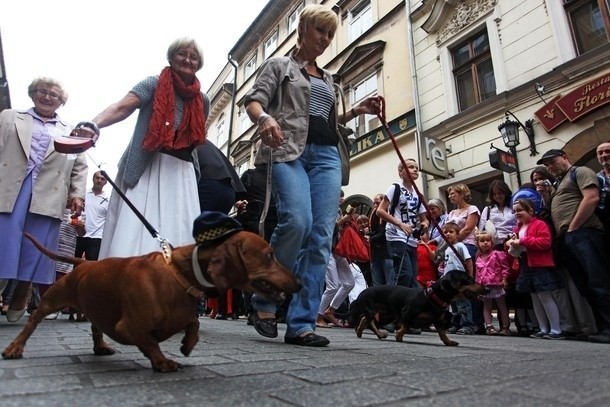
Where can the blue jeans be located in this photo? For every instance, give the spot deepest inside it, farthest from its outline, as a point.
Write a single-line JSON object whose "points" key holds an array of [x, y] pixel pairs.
{"points": [[404, 258], [306, 193], [583, 252], [382, 268], [463, 317]]}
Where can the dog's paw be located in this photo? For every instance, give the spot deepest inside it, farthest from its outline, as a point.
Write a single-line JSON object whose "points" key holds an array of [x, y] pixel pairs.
{"points": [[382, 335], [166, 366], [451, 343], [13, 352], [103, 350]]}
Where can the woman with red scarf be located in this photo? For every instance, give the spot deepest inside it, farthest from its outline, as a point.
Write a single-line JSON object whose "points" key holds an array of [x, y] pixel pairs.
{"points": [[157, 171]]}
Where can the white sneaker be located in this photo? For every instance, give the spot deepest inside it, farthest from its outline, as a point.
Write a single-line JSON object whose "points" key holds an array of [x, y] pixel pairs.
{"points": [[52, 316]]}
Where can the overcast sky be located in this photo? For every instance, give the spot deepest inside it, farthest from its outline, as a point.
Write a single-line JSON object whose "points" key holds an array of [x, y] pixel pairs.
{"points": [[100, 50]]}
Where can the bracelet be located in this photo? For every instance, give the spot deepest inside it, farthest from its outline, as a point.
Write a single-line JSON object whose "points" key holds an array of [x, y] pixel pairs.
{"points": [[354, 112], [262, 118]]}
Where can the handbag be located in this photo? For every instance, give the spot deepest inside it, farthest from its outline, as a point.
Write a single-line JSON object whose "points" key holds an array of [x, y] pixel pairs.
{"points": [[346, 136], [352, 245]]}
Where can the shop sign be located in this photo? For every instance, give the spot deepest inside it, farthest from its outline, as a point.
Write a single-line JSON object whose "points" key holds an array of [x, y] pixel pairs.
{"points": [[372, 138], [502, 160], [433, 156], [586, 98], [550, 115], [581, 101]]}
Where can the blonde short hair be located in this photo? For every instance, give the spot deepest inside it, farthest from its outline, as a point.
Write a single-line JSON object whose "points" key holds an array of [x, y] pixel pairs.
{"points": [[484, 233], [183, 43], [43, 80], [461, 189], [316, 14]]}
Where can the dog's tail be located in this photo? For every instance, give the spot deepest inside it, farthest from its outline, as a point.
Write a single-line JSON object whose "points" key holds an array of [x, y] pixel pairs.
{"points": [[57, 257]]}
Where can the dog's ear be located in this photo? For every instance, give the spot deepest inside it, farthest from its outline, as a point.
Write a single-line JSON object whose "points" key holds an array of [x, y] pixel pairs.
{"points": [[221, 265]]}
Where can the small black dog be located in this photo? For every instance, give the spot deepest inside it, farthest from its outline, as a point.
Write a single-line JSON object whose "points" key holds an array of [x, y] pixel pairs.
{"points": [[412, 307]]}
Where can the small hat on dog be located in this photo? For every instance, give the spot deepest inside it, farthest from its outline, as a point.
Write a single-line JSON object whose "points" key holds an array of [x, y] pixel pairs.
{"points": [[211, 226], [550, 154]]}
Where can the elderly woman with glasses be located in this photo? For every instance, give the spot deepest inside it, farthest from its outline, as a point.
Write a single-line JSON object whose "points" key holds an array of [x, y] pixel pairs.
{"points": [[37, 181], [158, 171]]}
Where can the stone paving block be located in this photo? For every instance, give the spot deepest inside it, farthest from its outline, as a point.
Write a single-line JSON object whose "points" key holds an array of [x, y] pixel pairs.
{"points": [[124, 396], [42, 385], [238, 368], [482, 397], [352, 393]]}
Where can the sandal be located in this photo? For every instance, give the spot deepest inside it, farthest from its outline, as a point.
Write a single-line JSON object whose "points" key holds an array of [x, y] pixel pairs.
{"points": [[505, 332], [490, 330]]}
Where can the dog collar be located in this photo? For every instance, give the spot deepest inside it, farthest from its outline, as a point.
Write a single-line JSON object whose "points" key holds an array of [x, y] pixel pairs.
{"points": [[435, 298], [198, 272], [188, 287]]}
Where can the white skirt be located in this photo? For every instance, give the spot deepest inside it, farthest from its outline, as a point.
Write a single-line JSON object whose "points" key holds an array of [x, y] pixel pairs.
{"points": [[166, 195]]}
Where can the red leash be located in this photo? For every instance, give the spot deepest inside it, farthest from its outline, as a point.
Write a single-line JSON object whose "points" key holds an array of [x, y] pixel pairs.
{"points": [[422, 200]]}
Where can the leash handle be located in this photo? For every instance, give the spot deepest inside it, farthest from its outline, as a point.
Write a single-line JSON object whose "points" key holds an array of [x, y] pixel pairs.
{"points": [[422, 200], [261, 221]]}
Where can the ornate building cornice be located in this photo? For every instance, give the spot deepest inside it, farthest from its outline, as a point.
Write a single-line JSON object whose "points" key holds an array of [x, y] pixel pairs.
{"points": [[465, 14]]}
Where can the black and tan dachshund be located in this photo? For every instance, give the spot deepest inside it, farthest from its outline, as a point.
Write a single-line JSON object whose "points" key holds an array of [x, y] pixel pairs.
{"points": [[412, 307]]}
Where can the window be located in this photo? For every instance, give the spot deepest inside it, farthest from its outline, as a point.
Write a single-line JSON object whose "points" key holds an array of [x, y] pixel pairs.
{"points": [[361, 19], [473, 71], [221, 136], [270, 45], [293, 19], [244, 120], [590, 23], [250, 67], [365, 122]]}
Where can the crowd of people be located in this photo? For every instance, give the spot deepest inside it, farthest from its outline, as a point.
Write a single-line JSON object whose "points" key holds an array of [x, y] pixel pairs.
{"points": [[541, 251]]}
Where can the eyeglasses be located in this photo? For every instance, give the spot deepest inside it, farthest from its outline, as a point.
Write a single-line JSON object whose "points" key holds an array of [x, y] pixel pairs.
{"points": [[187, 55], [51, 95]]}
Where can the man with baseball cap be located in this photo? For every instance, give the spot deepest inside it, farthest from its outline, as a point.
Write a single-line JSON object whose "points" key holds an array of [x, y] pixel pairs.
{"points": [[580, 234]]}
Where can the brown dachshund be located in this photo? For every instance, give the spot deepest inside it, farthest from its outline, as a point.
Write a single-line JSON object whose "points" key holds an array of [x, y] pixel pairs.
{"points": [[143, 300], [412, 307]]}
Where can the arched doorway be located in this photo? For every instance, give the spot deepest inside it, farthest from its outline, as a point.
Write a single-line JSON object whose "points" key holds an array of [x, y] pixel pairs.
{"points": [[581, 148]]}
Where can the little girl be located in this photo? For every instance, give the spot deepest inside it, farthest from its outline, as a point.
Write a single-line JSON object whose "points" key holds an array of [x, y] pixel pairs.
{"points": [[538, 276], [427, 271], [492, 272]]}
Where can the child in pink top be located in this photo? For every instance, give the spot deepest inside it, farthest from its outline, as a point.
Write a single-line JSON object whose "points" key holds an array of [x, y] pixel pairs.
{"points": [[532, 244], [492, 272]]}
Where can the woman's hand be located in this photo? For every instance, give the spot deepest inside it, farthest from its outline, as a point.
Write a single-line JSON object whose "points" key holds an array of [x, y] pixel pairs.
{"points": [[77, 205], [270, 131], [370, 105]]}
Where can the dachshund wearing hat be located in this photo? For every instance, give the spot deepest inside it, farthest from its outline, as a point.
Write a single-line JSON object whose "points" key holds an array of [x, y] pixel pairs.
{"points": [[145, 300]]}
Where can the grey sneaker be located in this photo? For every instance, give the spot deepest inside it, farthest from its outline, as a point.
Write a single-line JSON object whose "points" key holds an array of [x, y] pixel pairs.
{"points": [[538, 335], [465, 331], [553, 336]]}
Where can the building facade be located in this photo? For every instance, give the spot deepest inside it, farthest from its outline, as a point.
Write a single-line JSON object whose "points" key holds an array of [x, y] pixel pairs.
{"points": [[450, 72], [369, 55], [545, 63]]}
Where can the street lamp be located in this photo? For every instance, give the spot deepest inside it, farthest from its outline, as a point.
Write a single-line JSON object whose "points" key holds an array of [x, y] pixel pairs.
{"points": [[510, 136]]}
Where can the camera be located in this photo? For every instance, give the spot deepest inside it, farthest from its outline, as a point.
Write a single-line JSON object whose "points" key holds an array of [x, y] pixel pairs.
{"points": [[547, 183], [417, 232]]}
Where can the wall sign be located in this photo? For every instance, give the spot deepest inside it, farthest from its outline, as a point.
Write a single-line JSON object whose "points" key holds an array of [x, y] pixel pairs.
{"points": [[502, 160], [433, 156], [579, 102]]}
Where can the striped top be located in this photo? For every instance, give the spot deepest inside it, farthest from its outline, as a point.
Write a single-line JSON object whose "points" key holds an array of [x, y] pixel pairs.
{"points": [[322, 99]]}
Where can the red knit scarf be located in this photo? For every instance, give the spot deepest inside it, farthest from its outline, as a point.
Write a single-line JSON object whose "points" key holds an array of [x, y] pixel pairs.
{"points": [[191, 131]]}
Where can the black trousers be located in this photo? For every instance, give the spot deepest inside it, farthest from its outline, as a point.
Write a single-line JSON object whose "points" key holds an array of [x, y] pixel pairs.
{"points": [[89, 246]]}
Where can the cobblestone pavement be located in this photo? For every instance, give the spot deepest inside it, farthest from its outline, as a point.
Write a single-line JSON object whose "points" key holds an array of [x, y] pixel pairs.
{"points": [[233, 366]]}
